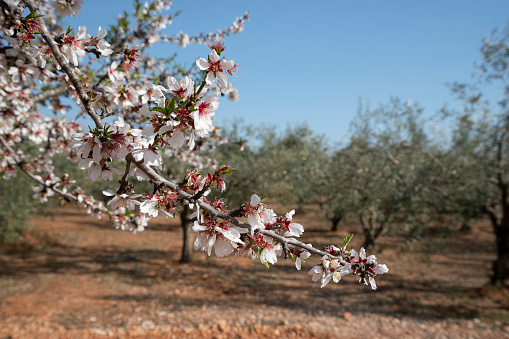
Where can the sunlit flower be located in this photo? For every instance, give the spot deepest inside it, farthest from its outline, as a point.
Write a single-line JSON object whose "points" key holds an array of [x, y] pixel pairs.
{"points": [[294, 229], [365, 267], [122, 200], [215, 67], [204, 113], [181, 89], [224, 238]]}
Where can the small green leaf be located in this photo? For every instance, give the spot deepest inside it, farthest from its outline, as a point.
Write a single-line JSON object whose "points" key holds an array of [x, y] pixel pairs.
{"points": [[170, 106], [347, 240], [158, 109], [32, 15], [229, 171]]}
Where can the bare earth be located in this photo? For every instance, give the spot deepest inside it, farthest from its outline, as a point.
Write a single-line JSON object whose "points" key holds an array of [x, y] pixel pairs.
{"points": [[77, 277]]}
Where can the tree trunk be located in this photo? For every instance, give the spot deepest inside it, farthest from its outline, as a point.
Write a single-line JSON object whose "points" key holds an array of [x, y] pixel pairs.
{"points": [[369, 242], [366, 224], [501, 265], [500, 222], [465, 224], [335, 222], [300, 210], [187, 236], [371, 230]]}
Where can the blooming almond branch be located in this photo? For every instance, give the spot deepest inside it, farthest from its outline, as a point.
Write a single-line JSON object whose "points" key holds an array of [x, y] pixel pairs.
{"points": [[157, 116], [62, 62]]}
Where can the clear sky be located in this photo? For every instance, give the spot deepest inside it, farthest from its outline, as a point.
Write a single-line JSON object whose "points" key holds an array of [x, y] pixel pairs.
{"points": [[312, 61]]}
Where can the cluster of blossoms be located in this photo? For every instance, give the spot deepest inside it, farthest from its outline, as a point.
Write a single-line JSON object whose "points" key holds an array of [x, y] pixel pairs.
{"points": [[356, 264], [31, 76], [157, 115], [184, 111], [163, 202], [74, 48], [223, 236], [254, 244], [256, 239]]}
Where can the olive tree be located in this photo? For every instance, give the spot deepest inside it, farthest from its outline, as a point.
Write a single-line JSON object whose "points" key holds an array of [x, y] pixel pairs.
{"points": [[387, 171], [482, 136]]}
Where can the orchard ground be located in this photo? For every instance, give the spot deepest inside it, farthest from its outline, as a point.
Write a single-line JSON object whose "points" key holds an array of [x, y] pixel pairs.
{"points": [[77, 277]]}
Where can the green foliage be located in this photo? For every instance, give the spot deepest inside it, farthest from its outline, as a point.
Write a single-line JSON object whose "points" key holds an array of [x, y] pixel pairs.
{"points": [[291, 164], [481, 164], [386, 172], [16, 207], [283, 166], [246, 180], [479, 155]]}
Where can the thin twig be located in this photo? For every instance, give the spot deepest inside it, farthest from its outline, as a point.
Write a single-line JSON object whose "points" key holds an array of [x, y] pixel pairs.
{"points": [[156, 178], [59, 57], [57, 91]]}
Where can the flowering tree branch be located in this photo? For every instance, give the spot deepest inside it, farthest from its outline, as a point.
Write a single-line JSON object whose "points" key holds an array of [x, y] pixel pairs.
{"points": [[62, 62], [48, 93], [170, 118]]}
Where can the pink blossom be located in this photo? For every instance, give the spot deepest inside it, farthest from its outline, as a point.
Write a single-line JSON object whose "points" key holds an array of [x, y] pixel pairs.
{"points": [[204, 113], [226, 238], [67, 7], [215, 67], [181, 89], [122, 200], [365, 267]]}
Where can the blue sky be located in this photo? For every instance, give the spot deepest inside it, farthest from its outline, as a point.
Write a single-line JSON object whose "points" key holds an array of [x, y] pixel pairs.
{"points": [[311, 62]]}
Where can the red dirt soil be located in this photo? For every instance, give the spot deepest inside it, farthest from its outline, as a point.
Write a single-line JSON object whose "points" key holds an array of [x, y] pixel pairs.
{"points": [[76, 277]]}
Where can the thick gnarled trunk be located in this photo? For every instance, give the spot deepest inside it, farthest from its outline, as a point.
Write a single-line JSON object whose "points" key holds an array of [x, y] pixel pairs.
{"points": [[335, 223], [371, 228], [501, 265], [500, 218], [500, 221]]}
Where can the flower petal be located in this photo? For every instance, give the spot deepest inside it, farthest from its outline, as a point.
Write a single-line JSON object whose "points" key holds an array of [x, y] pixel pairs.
{"points": [[202, 64]]}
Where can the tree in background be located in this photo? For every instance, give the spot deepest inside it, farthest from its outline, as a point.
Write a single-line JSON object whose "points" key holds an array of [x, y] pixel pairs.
{"points": [[482, 141], [333, 194], [386, 171], [462, 188], [291, 163], [236, 151]]}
